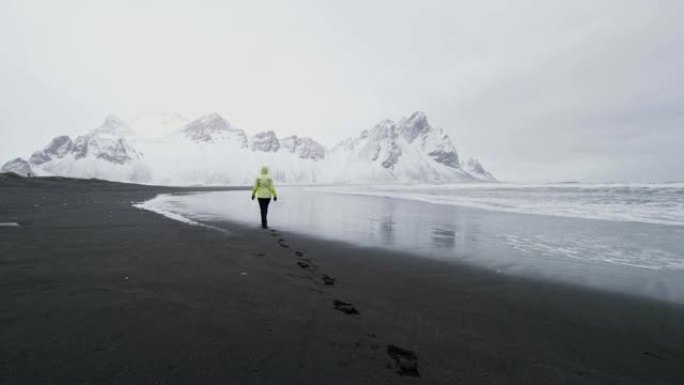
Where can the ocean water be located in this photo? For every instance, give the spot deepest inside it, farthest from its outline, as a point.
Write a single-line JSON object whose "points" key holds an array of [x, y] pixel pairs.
{"points": [[661, 203], [625, 238]]}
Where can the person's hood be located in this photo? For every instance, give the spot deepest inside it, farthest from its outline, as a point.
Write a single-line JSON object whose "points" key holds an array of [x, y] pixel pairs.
{"points": [[264, 170]]}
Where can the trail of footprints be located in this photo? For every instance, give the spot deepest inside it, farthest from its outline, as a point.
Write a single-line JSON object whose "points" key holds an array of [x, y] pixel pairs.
{"points": [[405, 361]]}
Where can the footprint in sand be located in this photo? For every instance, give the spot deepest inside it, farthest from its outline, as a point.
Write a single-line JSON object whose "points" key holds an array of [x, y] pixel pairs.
{"points": [[301, 256], [303, 265], [406, 361], [328, 280], [281, 242], [345, 307]]}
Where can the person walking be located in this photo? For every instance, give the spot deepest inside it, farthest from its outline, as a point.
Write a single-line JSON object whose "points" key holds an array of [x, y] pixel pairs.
{"points": [[264, 191]]}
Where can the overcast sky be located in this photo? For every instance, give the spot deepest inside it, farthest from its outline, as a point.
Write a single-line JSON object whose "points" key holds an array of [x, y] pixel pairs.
{"points": [[537, 90]]}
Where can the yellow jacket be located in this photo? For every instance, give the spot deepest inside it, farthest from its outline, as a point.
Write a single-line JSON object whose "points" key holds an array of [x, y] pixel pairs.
{"points": [[263, 186]]}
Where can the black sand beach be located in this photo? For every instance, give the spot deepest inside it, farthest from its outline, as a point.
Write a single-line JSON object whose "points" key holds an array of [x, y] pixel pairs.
{"points": [[96, 291]]}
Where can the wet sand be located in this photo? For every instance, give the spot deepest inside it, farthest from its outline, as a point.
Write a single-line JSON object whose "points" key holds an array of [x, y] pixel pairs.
{"points": [[93, 290]]}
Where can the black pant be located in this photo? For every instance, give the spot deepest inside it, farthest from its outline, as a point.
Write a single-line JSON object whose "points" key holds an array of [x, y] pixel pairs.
{"points": [[263, 205]]}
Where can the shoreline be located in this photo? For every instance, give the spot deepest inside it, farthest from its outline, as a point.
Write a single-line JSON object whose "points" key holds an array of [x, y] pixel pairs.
{"points": [[97, 291], [583, 252]]}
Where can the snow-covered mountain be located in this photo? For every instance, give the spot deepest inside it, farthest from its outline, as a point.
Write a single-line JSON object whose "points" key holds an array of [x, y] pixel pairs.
{"points": [[473, 167], [103, 153], [305, 148], [213, 128], [410, 150], [18, 166], [209, 150]]}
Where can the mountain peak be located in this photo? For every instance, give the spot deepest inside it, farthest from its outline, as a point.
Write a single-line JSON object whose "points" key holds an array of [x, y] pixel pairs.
{"points": [[266, 141], [202, 129], [111, 123], [418, 116], [113, 119], [18, 166], [58, 147], [215, 121], [212, 116], [414, 125], [385, 129], [305, 148], [474, 167]]}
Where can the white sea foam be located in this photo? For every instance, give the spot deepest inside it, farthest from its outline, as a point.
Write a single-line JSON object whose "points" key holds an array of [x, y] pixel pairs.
{"points": [[162, 205], [646, 203], [596, 250], [9, 224]]}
